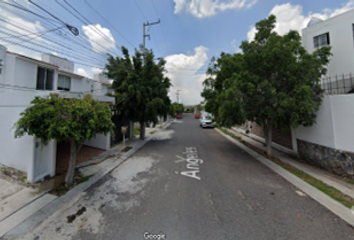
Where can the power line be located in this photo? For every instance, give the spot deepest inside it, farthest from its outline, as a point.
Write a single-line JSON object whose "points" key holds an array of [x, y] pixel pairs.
{"points": [[89, 41], [46, 38], [32, 33], [140, 10], [50, 48], [88, 22], [163, 32], [108, 23], [74, 30], [19, 6]]}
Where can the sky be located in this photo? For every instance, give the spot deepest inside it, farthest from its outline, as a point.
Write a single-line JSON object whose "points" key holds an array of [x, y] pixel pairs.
{"points": [[189, 34]]}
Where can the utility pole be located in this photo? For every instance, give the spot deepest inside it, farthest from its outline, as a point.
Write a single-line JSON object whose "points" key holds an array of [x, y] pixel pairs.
{"points": [[177, 96], [147, 35]]}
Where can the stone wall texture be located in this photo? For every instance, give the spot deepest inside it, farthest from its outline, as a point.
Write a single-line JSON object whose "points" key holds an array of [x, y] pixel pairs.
{"points": [[335, 161]]}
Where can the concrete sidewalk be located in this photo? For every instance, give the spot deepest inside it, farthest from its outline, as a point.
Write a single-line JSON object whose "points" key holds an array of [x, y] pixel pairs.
{"points": [[35, 211], [291, 159]]}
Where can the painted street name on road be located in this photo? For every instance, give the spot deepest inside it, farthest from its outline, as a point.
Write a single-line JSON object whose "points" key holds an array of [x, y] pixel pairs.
{"points": [[193, 162]]}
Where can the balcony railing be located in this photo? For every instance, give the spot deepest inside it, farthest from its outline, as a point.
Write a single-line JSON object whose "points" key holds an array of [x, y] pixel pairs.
{"points": [[338, 84]]}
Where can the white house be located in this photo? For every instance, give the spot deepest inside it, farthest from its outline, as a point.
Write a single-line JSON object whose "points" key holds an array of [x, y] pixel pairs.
{"points": [[337, 32], [330, 142], [21, 79]]}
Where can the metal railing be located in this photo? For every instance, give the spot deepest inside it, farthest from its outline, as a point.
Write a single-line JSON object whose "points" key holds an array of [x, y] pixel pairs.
{"points": [[338, 84]]}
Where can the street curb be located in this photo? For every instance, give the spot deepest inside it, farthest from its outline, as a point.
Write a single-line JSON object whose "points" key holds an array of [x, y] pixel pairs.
{"points": [[332, 205], [71, 196]]}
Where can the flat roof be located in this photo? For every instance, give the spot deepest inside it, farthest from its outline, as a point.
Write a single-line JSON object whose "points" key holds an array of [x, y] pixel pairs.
{"points": [[33, 59], [70, 73]]}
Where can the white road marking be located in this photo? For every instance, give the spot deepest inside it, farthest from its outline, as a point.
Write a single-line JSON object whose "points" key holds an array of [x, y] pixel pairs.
{"points": [[300, 193], [193, 163]]}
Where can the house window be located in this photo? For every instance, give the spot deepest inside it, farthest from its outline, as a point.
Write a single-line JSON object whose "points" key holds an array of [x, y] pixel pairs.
{"points": [[64, 83], [321, 40], [45, 79]]}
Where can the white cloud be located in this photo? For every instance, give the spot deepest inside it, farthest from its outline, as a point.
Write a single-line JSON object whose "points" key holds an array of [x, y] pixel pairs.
{"points": [[99, 42], [184, 75], [207, 8], [82, 72], [96, 70], [235, 47], [290, 17]]}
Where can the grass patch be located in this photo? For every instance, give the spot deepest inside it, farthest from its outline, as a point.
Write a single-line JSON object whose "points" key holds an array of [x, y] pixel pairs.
{"points": [[349, 181], [326, 189], [152, 132], [84, 179], [137, 131], [127, 148], [63, 188]]}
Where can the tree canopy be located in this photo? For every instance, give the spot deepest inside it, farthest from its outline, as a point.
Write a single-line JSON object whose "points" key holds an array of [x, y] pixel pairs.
{"points": [[65, 120], [274, 82], [140, 89]]}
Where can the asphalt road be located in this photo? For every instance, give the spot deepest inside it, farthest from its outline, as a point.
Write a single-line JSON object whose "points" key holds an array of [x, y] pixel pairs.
{"points": [[225, 194]]}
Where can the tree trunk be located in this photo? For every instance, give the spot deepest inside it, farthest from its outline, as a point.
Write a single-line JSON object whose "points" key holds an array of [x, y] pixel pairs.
{"points": [[268, 137], [74, 150], [131, 127], [142, 130]]}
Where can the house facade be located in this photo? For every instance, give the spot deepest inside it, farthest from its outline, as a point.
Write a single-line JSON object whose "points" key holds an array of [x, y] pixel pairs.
{"points": [[337, 32], [21, 79]]}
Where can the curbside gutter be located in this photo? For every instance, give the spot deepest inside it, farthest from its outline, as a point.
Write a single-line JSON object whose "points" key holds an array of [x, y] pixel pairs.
{"points": [[73, 195], [335, 207]]}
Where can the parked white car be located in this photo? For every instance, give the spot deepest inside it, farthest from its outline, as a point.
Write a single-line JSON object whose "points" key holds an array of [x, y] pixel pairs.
{"points": [[206, 121]]}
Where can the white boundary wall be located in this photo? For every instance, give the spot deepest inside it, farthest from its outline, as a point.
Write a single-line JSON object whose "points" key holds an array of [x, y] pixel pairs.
{"points": [[335, 124]]}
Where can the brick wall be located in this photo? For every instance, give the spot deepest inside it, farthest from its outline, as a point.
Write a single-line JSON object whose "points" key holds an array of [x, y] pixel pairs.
{"points": [[280, 137], [63, 156]]}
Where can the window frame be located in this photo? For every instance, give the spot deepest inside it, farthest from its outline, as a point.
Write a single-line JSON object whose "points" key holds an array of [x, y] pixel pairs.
{"points": [[45, 79], [66, 78], [319, 43]]}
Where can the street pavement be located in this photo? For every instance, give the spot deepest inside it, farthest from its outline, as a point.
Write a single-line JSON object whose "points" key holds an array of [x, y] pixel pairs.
{"points": [[192, 183]]}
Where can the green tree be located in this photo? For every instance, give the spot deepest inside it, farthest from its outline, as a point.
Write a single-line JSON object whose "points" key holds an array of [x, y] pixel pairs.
{"points": [[140, 89], [67, 120], [199, 108], [178, 107], [275, 82]]}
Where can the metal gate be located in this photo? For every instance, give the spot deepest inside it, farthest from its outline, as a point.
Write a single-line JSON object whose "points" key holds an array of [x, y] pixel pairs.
{"points": [[119, 121]]}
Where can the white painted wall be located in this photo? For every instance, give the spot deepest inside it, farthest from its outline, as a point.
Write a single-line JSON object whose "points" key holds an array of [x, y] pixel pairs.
{"points": [[341, 40], [27, 76], [16, 153], [334, 126], [343, 118], [62, 63], [101, 78], [2, 68], [100, 141], [76, 84], [22, 153]]}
